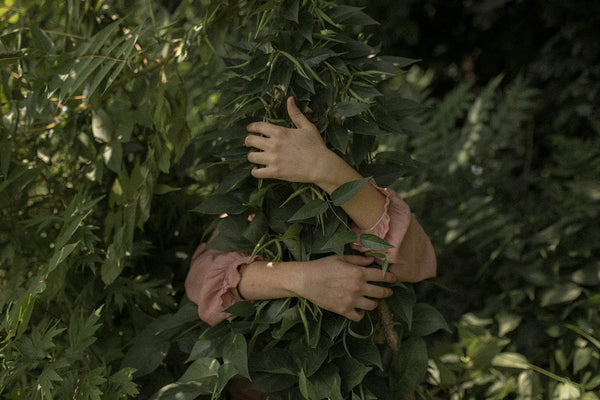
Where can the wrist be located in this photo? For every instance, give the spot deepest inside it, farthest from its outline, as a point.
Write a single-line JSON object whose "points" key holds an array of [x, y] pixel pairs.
{"points": [[296, 273], [333, 171]]}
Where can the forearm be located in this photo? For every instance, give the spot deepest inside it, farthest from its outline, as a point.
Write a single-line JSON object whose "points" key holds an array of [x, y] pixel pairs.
{"points": [[261, 280], [367, 206]]}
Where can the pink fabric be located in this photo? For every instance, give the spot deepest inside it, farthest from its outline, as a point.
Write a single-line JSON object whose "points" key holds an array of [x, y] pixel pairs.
{"points": [[403, 231], [214, 274]]}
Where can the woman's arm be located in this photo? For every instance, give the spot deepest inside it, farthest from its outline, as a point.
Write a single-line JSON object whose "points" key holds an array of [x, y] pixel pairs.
{"points": [[335, 284], [300, 155], [339, 285]]}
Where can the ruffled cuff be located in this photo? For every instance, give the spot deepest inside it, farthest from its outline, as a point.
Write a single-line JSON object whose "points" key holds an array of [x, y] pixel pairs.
{"points": [[391, 226], [212, 276]]}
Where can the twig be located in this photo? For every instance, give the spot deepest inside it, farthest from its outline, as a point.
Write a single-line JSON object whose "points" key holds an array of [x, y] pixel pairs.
{"points": [[387, 325]]}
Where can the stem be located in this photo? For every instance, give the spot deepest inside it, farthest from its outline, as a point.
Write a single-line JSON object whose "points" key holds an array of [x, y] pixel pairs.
{"points": [[387, 324]]}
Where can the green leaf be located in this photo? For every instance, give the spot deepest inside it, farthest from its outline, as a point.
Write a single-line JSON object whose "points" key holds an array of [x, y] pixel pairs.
{"points": [[41, 40], [507, 322], [162, 188], [511, 360], [306, 23], [352, 372], [373, 242], [581, 358], [339, 240], [226, 372], [146, 354], [203, 369], [291, 12], [410, 364], [113, 156], [327, 383], [91, 382], [348, 190], [560, 294], [241, 309], [236, 353], [427, 320], [60, 255], [349, 15], [5, 155], [306, 387], [218, 204], [311, 209], [290, 318], [44, 381], [102, 127], [122, 380], [348, 109]]}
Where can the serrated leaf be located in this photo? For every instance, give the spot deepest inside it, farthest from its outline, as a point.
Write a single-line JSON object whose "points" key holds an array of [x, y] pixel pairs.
{"points": [[123, 380], [311, 209], [348, 190], [45, 381]]}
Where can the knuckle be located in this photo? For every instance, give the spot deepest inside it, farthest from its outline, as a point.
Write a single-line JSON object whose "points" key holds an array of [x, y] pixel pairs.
{"points": [[276, 146], [354, 288], [358, 273]]}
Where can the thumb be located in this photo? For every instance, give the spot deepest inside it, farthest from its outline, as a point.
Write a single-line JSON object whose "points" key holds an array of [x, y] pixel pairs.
{"points": [[298, 118]]}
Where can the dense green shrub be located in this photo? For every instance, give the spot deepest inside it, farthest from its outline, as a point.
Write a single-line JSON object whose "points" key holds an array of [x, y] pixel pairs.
{"points": [[103, 159], [113, 130]]}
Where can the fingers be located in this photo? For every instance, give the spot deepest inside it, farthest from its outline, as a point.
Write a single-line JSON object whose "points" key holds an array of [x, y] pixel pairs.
{"points": [[263, 173], [256, 141], [359, 260], [355, 315], [258, 157], [264, 128], [377, 292], [298, 118], [375, 275]]}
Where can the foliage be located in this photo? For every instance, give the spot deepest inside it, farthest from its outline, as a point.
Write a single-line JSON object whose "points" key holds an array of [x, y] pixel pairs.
{"points": [[93, 120], [111, 134], [290, 347], [107, 143], [527, 315]]}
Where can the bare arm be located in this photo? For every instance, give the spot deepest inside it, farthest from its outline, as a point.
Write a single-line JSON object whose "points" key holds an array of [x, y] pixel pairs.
{"points": [[300, 155], [341, 286]]}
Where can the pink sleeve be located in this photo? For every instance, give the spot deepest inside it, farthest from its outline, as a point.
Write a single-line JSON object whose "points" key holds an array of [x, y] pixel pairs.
{"points": [[212, 276], [412, 258]]}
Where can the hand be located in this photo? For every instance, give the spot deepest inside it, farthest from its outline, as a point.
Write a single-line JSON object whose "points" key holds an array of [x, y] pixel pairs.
{"points": [[342, 286], [294, 155]]}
